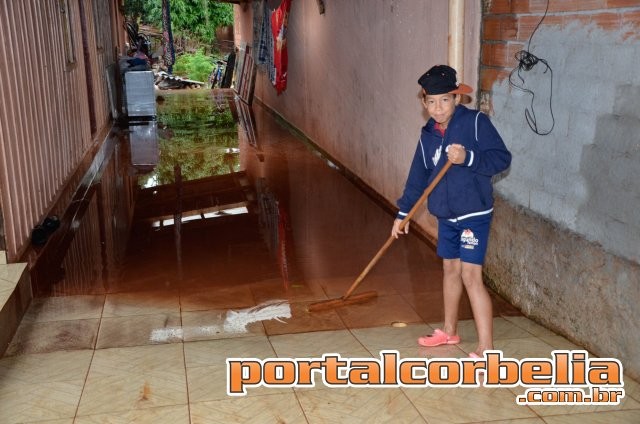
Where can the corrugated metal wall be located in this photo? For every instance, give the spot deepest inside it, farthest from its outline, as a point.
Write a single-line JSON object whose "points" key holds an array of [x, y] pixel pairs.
{"points": [[99, 36], [45, 125], [99, 244], [83, 262]]}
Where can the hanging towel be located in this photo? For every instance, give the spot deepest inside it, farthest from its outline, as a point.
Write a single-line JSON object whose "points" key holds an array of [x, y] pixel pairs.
{"points": [[279, 21]]}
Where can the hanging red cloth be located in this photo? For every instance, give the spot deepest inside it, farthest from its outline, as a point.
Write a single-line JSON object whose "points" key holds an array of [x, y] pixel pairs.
{"points": [[279, 20]]}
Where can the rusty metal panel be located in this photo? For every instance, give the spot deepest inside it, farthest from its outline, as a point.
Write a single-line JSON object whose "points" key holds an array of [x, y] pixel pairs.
{"points": [[83, 263], [97, 37], [104, 57], [44, 113]]}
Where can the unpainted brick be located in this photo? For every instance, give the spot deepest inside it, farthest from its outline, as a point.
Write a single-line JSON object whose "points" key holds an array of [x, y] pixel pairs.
{"points": [[631, 18], [491, 28], [607, 21], [488, 76], [576, 5], [500, 54], [527, 24], [520, 6], [498, 7], [499, 28], [622, 3]]}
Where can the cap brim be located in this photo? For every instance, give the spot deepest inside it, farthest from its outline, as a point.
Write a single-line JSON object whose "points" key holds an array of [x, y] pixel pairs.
{"points": [[462, 89]]}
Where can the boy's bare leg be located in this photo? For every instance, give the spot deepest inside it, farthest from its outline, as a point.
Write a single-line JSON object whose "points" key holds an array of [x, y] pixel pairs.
{"points": [[452, 291], [480, 305]]}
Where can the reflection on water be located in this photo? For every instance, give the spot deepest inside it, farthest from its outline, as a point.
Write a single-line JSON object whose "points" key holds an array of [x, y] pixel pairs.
{"points": [[196, 130], [284, 225], [235, 203]]}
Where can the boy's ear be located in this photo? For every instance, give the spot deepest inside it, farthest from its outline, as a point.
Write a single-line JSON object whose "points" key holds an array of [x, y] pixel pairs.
{"points": [[458, 99]]}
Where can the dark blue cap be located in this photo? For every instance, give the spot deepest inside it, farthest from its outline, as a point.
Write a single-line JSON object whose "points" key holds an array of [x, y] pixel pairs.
{"points": [[441, 79]]}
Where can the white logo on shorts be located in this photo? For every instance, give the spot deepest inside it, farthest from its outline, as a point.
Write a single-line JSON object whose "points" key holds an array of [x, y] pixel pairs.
{"points": [[468, 239]]}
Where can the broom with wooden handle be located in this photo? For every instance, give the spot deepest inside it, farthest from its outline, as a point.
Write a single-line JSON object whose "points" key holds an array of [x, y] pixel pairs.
{"points": [[348, 299]]}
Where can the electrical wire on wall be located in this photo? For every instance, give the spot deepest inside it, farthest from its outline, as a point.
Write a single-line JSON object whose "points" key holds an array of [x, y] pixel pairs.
{"points": [[527, 61]]}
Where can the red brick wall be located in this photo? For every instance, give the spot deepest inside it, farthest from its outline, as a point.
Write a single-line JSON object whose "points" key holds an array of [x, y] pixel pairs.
{"points": [[508, 24]]}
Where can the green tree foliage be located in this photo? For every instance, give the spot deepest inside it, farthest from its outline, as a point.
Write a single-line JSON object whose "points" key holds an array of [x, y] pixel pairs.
{"points": [[190, 19], [134, 9], [197, 66]]}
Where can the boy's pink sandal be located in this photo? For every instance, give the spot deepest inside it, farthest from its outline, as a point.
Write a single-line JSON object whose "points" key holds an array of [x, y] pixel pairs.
{"points": [[438, 338]]}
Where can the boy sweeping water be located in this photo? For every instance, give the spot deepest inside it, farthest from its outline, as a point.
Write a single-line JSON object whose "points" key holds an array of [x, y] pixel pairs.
{"points": [[462, 201]]}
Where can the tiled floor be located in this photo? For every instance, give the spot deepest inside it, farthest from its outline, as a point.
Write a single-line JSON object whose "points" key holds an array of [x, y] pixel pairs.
{"points": [[132, 377], [149, 345]]}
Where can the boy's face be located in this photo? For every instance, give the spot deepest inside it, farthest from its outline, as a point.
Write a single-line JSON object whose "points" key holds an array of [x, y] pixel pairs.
{"points": [[440, 106]]}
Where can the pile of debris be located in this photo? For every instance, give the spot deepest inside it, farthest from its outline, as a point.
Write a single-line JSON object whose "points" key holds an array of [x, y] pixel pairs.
{"points": [[165, 81]]}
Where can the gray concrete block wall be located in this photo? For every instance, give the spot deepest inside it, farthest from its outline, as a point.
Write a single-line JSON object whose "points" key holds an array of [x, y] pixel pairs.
{"points": [[566, 283], [583, 176], [565, 244]]}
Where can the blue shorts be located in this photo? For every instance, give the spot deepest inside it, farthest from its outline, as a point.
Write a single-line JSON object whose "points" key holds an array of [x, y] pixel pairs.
{"points": [[465, 239]]}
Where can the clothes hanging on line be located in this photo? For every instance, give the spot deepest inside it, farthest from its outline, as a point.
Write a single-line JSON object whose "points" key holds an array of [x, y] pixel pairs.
{"points": [[258, 24], [279, 22]]}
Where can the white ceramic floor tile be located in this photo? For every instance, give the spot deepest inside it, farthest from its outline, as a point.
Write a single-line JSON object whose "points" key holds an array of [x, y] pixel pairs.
{"points": [[178, 414], [139, 330], [314, 344], [444, 351], [5, 292], [531, 347], [632, 388], [466, 405], [210, 383], [545, 411], [123, 379], [267, 409], [516, 421], [216, 352], [11, 273], [46, 367], [559, 342], [530, 326], [617, 417], [379, 338], [51, 336], [62, 308], [37, 402], [502, 329], [362, 405]]}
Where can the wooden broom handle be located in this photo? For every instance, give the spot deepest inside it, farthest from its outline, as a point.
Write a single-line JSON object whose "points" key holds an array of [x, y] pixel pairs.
{"points": [[414, 209]]}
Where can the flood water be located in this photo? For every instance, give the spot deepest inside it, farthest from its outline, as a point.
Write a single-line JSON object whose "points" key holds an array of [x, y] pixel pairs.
{"points": [[204, 235], [218, 206]]}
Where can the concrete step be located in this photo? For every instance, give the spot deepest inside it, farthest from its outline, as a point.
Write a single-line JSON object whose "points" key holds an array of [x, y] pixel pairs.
{"points": [[15, 297]]}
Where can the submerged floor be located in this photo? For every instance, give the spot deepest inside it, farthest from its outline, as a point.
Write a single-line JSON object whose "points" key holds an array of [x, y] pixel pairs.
{"points": [[229, 238]]}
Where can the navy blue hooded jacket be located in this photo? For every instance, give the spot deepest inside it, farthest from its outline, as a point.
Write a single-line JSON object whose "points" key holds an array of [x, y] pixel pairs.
{"points": [[466, 189]]}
